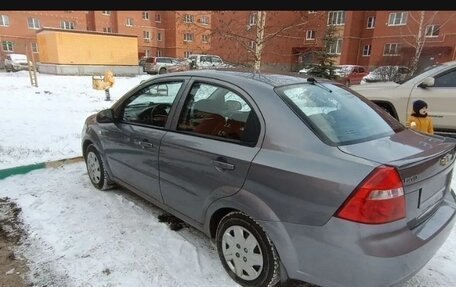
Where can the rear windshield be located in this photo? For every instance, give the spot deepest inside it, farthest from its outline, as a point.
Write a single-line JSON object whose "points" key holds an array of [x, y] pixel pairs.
{"points": [[338, 115]]}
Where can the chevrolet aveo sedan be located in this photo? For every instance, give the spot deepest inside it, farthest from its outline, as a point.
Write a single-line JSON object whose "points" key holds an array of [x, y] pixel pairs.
{"points": [[292, 178]]}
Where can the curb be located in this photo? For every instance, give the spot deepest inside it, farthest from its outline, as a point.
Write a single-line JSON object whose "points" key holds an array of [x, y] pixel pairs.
{"points": [[4, 173]]}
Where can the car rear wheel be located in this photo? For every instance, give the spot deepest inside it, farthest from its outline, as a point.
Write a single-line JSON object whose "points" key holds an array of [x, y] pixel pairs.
{"points": [[246, 252], [162, 71], [96, 169]]}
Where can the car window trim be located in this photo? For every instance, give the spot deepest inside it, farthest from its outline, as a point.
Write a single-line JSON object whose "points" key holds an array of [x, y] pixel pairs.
{"points": [[120, 105], [231, 87]]}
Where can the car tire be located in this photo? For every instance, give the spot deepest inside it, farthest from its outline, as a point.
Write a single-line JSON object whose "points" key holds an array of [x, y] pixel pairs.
{"points": [[162, 71], [243, 244], [96, 169]]}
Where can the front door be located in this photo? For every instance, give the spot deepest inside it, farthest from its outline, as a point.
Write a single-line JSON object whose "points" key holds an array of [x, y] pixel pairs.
{"points": [[209, 153], [133, 143]]}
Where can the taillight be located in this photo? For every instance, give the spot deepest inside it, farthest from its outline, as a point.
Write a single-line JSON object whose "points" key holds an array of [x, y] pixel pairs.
{"points": [[378, 199]]}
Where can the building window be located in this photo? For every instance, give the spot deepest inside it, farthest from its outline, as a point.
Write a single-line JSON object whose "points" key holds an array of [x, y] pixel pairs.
{"points": [[310, 35], [159, 36], [189, 18], [146, 36], [391, 49], [336, 18], [159, 53], [253, 19], [367, 50], [33, 23], [370, 22], [4, 20], [397, 19], [188, 37], [204, 20], [34, 47], [106, 12], [145, 15], [107, 30], [312, 12], [187, 54], [252, 45], [7, 46], [67, 25], [158, 18], [130, 22], [335, 47], [432, 31], [205, 38], [147, 53]]}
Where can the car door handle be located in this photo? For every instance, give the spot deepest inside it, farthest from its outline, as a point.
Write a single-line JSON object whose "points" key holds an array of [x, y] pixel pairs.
{"points": [[145, 144], [222, 165]]}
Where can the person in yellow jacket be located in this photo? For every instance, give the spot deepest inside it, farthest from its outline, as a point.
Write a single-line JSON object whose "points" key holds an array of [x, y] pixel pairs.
{"points": [[109, 80], [419, 119]]}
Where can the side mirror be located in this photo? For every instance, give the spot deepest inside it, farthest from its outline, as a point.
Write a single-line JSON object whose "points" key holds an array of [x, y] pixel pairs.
{"points": [[105, 116], [427, 82]]}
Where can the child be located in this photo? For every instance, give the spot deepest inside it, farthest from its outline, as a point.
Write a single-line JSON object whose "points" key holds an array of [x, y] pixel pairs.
{"points": [[419, 119]]}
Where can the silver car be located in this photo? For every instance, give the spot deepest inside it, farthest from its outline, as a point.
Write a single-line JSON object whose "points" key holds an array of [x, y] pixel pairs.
{"points": [[293, 179]]}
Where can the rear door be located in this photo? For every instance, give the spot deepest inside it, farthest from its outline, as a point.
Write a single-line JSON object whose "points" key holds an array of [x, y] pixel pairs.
{"points": [[441, 99], [207, 156]]}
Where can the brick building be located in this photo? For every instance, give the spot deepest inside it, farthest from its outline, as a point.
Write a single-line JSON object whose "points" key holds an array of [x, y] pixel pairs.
{"points": [[367, 38]]}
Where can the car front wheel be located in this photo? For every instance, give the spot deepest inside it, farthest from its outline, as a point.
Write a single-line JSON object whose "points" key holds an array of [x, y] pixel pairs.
{"points": [[246, 252], [96, 169]]}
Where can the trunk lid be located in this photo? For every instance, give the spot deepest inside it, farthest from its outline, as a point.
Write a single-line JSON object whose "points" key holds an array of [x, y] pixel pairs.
{"points": [[424, 163]]}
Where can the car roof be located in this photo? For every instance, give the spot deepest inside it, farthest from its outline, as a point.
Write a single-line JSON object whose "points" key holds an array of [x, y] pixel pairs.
{"points": [[244, 79]]}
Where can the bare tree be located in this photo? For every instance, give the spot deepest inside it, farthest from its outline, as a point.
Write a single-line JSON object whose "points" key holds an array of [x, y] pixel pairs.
{"points": [[418, 36], [251, 42]]}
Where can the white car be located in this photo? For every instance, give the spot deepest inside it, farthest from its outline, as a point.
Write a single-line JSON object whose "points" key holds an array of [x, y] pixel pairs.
{"points": [[200, 61], [16, 62]]}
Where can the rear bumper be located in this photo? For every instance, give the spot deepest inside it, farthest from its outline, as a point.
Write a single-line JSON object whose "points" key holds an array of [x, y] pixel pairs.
{"points": [[342, 253]]}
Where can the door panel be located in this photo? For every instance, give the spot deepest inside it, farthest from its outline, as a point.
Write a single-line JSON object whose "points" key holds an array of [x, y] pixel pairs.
{"points": [[195, 171]]}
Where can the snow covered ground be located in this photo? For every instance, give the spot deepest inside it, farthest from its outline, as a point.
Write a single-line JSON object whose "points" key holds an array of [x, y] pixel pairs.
{"points": [[79, 236]]}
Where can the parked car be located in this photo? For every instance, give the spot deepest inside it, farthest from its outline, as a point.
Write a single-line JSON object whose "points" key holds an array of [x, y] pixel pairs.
{"points": [[142, 63], [436, 86], [159, 65], [386, 73], [16, 62], [199, 61], [291, 177], [350, 74]]}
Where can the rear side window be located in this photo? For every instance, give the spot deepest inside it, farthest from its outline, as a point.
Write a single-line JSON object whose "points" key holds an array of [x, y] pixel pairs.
{"points": [[215, 111], [338, 116], [150, 60]]}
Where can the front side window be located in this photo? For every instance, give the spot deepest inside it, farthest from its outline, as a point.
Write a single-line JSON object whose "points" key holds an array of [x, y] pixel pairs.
{"points": [[215, 111], [447, 79], [397, 19], [337, 114], [33, 23], [152, 104], [4, 20], [336, 18]]}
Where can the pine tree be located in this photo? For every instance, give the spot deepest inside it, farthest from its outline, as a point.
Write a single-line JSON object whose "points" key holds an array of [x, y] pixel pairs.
{"points": [[324, 68]]}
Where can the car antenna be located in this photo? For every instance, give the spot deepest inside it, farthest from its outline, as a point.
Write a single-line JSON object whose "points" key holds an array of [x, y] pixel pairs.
{"points": [[313, 81]]}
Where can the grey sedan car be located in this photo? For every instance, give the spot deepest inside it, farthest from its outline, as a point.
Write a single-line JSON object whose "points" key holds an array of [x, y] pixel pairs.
{"points": [[293, 178]]}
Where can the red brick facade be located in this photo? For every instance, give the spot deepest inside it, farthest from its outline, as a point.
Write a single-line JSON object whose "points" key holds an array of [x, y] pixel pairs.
{"points": [[368, 38]]}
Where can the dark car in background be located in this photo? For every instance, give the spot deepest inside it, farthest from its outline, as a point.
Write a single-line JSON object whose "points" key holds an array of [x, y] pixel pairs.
{"points": [[292, 178]]}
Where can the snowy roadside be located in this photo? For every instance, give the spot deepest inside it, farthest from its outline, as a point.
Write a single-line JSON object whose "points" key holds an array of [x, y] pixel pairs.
{"points": [[45, 123]]}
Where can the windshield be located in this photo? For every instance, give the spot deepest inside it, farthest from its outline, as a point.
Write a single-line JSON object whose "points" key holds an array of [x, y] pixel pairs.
{"points": [[338, 115]]}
